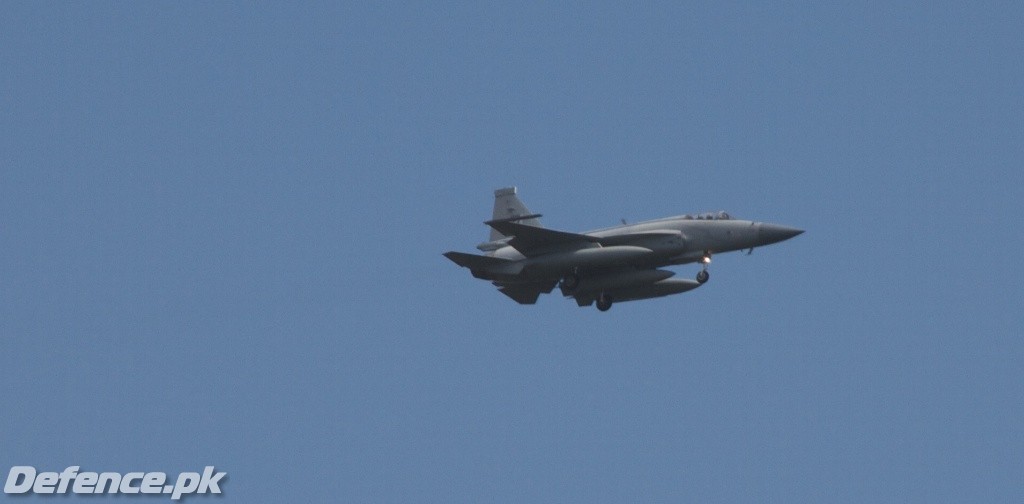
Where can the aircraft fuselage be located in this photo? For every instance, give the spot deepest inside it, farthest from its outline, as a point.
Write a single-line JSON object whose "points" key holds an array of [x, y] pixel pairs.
{"points": [[651, 244]]}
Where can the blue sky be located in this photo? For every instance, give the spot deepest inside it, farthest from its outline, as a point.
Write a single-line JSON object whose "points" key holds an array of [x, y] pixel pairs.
{"points": [[222, 229]]}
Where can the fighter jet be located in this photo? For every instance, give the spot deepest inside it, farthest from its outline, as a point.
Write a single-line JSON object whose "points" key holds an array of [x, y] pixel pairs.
{"points": [[621, 263]]}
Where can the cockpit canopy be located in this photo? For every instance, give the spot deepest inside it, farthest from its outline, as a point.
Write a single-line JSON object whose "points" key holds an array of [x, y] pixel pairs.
{"points": [[720, 215]]}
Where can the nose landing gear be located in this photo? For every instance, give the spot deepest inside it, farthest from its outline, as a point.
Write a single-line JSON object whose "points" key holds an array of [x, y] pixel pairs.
{"points": [[604, 302], [703, 275]]}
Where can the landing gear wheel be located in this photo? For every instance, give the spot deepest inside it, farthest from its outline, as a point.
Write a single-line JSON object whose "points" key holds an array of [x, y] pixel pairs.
{"points": [[570, 281], [604, 302], [703, 275]]}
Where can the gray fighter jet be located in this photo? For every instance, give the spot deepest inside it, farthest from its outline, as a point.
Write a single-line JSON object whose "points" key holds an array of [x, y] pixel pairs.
{"points": [[523, 259]]}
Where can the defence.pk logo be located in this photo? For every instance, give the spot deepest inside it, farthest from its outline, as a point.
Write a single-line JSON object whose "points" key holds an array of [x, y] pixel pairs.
{"points": [[23, 479]]}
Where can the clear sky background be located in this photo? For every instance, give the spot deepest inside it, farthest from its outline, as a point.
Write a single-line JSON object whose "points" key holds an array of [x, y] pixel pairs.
{"points": [[222, 226]]}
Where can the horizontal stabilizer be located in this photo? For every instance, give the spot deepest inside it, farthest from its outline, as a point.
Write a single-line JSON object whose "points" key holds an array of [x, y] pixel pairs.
{"points": [[475, 262], [531, 241]]}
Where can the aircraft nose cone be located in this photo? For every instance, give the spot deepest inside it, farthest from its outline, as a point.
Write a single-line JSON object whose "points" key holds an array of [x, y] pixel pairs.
{"points": [[774, 233]]}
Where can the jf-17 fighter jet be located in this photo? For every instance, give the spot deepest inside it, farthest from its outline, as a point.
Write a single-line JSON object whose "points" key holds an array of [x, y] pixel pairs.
{"points": [[621, 263]]}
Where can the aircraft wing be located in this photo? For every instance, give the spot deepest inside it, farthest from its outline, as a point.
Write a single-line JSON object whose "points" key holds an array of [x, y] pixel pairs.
{"points": [[525, 293], [533, 241]]}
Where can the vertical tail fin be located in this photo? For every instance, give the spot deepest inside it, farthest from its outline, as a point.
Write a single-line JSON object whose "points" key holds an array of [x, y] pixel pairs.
{"points": [[508, 207]]}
